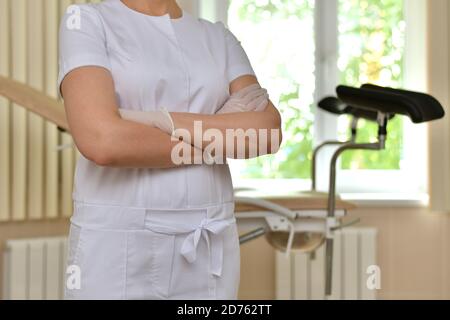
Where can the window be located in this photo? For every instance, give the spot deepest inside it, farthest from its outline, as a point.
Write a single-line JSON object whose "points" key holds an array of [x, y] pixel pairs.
{"points": [[266, 29], [298, 54]]}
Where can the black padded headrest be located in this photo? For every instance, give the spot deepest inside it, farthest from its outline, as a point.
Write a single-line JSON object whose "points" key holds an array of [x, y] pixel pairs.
{"points": [[420, 107], [332, 105], [336, 106]]}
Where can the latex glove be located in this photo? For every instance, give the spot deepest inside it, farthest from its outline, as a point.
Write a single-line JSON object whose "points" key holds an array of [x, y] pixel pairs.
{"points": [[251, 98], [158, 119]]}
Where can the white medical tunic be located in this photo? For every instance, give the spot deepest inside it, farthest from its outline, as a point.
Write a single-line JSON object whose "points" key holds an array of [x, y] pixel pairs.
{"points": [[149, 233]]}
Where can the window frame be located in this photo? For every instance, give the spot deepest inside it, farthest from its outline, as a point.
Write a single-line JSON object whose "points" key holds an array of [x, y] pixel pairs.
{"points": [[384, 184]]}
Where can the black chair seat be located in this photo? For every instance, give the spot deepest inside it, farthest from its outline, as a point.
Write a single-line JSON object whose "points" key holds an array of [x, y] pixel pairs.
{"points": [[419, 107]]}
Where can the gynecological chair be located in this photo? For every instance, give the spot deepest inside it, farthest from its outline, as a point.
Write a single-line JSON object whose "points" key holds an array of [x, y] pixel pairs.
{"points": [[310, 219], [301, 221]]}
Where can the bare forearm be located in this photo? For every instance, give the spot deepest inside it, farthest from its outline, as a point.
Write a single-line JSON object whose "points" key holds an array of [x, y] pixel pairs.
{"points": [[252, 131], [134, 145]]}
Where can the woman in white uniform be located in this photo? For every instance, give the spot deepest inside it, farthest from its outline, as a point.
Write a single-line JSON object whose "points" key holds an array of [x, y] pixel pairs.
{"points": [[144, 227]]}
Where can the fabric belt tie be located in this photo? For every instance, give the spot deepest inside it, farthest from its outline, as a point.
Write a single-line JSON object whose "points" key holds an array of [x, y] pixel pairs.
{"points": [[211, 230], [215, 243]]}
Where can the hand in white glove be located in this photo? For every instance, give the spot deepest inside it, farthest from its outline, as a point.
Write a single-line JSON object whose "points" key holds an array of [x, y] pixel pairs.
{"points": [[251, 98], [158, 119]]}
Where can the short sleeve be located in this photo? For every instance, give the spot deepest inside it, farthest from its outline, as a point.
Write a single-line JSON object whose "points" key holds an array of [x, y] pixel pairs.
{"points": [[238, 63], [82, 40]]}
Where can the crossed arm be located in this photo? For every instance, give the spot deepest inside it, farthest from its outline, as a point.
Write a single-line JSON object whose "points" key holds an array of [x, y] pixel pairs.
{"points": [[103, 137]]}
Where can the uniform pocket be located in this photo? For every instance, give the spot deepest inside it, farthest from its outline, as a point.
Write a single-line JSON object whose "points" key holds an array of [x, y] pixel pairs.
{"points": [[232, 253], [228, 284], [149, 265], [237, 251], [101, 258]]}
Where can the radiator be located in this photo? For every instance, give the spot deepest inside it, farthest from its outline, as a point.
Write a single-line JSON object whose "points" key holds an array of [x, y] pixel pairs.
{"points": [[302, 276], [34, 269]]}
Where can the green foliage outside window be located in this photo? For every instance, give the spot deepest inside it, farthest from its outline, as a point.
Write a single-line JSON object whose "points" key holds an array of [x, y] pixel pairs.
{"points": [[295, 101], [371, 50]]}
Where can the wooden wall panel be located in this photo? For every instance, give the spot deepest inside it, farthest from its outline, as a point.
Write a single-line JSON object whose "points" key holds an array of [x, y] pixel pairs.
{"points": [[19, 115], [35, 165], [67, 155], [5, 163], [51, 21]]}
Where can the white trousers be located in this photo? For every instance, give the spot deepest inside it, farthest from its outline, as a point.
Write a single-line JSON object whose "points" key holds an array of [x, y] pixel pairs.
{"points": [[135, 253]]}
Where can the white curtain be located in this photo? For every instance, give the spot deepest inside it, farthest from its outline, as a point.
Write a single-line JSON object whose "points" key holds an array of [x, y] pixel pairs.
{"points": [[439, 85]]}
